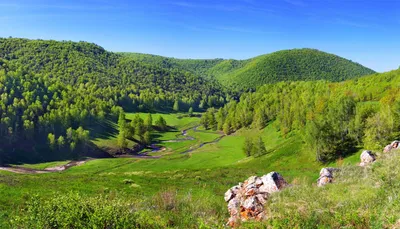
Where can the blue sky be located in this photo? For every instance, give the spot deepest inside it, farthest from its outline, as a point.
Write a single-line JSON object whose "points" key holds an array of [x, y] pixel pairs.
{"points": [[364, 31]]}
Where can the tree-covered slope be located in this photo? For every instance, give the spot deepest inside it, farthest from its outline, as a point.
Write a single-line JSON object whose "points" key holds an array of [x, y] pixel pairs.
{"points": [[286, 65], [82, 62], [55, 91], [199, 67], [334, 118], [290, 65]]}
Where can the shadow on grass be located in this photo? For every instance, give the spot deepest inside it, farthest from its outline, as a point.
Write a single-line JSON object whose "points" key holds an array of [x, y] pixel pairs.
{"points": [[40, 153], [103, 129]]}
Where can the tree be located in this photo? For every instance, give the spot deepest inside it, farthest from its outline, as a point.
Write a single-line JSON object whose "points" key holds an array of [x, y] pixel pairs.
{"points": [[161, 124], [176, 105], [147, 138], [260, 119], [248, 146], [131, 129], [212, 123], [204, 121], [52, 141], [259, 147], [227, 128], [140, 128], [70, 134], [61, 142], [220, 118], [190, 112], [148, 122], [121, 140], [72, 146], [121, 121]]}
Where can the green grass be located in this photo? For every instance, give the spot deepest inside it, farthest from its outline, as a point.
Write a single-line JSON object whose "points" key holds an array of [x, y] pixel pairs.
{"points": [[204, 174], [44, 165], [176, 121]]}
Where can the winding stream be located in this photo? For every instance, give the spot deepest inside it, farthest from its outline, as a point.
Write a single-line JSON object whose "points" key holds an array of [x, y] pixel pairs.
{"points": [[183, 136]]}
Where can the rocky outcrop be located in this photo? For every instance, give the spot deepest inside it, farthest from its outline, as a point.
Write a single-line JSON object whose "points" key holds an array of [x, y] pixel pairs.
{"points": [[246, 200], [367, 157], [325, 176], [392, 146]]}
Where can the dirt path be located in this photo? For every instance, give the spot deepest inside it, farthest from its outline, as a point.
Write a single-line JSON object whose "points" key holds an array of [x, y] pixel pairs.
{"points": [[22, 170]]}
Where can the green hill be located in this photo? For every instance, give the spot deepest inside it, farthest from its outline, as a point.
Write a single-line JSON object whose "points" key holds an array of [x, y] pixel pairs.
{"points": [[48, 87], [287, 65]]}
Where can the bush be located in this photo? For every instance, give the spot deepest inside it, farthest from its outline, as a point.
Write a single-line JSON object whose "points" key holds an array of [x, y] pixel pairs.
{"points": [[166, 209], [76, 211]]}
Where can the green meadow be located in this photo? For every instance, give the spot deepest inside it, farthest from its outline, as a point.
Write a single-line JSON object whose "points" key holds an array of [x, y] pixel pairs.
{"points": [[194, 181], [209, 170]]}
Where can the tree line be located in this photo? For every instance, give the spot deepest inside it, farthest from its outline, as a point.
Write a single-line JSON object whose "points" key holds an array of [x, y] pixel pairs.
{"points": [[333, 118]]}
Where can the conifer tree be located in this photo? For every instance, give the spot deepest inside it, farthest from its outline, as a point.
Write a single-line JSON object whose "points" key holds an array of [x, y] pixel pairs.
{"points": [[176, 106], [259, 147], [161, 124], [148, 122], [248, 146]]}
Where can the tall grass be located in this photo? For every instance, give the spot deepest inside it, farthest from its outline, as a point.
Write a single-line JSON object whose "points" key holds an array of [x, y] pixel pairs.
{"points": [[166, 209], [359, 198]]}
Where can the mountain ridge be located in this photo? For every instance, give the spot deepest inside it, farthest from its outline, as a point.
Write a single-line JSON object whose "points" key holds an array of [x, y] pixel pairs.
{"points": [[284, 65]]}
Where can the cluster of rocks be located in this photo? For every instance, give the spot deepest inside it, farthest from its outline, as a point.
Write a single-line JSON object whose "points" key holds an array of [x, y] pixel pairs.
{"points": [[392, 146], [246, 200]]}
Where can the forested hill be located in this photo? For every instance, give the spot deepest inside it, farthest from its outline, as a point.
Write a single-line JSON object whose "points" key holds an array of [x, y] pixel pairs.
{"points": [[333, 118], [82, 62], [200, 67], [54, 89], [287, 65]]}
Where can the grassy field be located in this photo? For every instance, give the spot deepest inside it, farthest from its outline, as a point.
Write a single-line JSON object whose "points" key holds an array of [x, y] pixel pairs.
{"points": [[177, 122], [204, 174]]}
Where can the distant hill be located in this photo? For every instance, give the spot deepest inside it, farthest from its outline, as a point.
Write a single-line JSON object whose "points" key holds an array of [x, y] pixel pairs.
{"points": [[286, 65], [82, 62]]}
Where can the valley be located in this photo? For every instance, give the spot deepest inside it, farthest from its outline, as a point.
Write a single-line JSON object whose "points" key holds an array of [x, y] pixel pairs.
{"points": [[96, 139], [204, 171]]}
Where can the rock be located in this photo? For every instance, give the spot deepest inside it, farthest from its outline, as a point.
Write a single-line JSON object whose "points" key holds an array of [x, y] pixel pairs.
{"points": [[228, 195], [272, 182], [327, 172], [262, 198], [325, 176], [246, 201], [392, 146], [233, 207], [231, 193], [322, 181], [367, 158]]}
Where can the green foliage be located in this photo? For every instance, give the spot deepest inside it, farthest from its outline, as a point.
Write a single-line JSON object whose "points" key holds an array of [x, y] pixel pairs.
{"points": [[61, 142], [76, 211], [334, 118], [148, 122], [176, 105], [208, 120], [49, 86], [286, 65], [259, 147], [52, 141], [147, 138], [121, 140], [254, 147], [248, 146], [162, 124], [190, 111]]}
